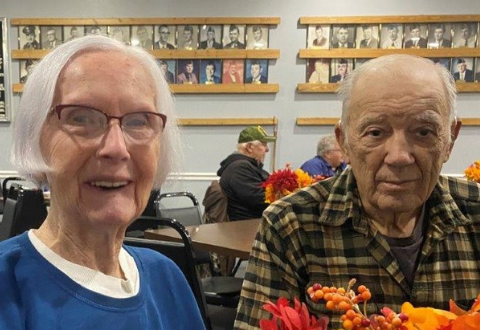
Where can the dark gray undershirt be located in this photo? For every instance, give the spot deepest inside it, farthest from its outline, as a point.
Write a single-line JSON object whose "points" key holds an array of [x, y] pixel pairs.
{"points": [[407, 249]]}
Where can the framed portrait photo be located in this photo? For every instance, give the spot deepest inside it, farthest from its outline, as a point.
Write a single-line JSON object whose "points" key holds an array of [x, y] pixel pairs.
{"points": [[71, 32], [257, 36], [339, 69], [211, 71], [168, 68], [165, 37], [210, 37], [415, 35], [462, 69], [477, 70], [367, 36], [464, 35], [51, 36], [256, 71], [142, 36], [120, 33], [187, 37], [391, 36], [318, 36], [5, 85], [343, 36], [439, 35], [318, 70], [234, 36], [445, 62], [26, 67], [29, 37], [188, 72], [96, 30], [233, 71]]}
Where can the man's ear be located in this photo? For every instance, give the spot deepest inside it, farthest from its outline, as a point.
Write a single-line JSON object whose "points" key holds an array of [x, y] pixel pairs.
{"points": [[341, 139], [454, 131]]}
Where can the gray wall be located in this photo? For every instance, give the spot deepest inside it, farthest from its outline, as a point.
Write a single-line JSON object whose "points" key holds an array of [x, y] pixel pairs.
{"points": [[205, 147]]}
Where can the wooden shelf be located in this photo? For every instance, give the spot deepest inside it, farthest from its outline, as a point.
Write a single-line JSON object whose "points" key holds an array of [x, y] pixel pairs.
{"points": [[372, 53], [209, 89], [146, 21], [324, 121], [24, 54], [273, 121], [389, 19], [225, 89], [462, 87]]}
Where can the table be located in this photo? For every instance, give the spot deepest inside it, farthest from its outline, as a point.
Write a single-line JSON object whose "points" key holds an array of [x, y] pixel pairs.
{"points": [[233, 238]]}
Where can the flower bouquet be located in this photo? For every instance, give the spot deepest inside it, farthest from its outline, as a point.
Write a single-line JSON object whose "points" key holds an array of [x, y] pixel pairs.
{"points": [[354, 317], [473, 172], [285, 181]]}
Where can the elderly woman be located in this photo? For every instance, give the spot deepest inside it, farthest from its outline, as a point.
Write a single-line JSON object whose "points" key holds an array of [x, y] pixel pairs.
{"points": [[92, 125]]}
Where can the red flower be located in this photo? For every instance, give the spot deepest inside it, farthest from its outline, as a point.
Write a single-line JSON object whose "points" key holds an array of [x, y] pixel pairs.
{"points": [[288, 318]]}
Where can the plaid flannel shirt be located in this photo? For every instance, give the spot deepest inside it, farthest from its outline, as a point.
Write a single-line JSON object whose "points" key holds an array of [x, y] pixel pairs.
{"points": [[321, 235]]}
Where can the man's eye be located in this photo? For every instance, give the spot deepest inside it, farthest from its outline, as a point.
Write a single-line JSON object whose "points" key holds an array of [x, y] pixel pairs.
{"points": [[374, 133], [425, 132]]}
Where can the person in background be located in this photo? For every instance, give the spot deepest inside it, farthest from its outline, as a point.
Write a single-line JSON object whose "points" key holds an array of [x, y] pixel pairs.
{"points": [[210, 76], [466, 37], [29, 64], [73, 33], [187, 76], [342, 38], [210, 42], [144, 38], [164, 34], [463, 73], [256, 74], [320, 41], [394, 40], [241, 174], [416, 40], [329, 159], [368, 41], [52, 39], [343, 71], [234, 34], [390, 220], [30, 36], [169, 77], [439, 40], [99, 138], [231, 76]]}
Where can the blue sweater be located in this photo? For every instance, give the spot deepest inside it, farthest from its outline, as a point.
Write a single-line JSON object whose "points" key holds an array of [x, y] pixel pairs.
{"points": [[36, 295]]}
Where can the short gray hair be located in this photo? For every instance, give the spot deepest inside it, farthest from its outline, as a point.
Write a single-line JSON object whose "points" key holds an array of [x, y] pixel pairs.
{"points": [[382, 65], [326, 143], [38, 94]]}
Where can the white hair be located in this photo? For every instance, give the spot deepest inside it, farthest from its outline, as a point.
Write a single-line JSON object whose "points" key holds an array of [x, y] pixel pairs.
{"points": [[383, 65], [39, 91]]}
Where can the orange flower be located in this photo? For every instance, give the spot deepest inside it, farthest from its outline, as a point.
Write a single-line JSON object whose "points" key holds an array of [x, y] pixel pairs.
{"points": [[285, 181], [473, 172], [426, 318]]}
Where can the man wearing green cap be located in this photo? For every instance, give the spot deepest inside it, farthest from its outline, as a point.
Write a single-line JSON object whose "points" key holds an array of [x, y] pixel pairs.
{"points": [[241, 174]]}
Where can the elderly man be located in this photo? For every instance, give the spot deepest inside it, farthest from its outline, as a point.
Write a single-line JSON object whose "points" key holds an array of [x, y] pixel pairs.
{"points": [[241, 175], [329, 159], [391, 220]]}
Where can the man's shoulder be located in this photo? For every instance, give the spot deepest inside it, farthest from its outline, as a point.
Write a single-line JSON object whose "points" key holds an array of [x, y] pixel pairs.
{"points": [[461, 189]]}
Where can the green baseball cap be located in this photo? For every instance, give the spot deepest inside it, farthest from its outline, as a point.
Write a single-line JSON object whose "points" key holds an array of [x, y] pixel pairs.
{"points": [[254, 133]]}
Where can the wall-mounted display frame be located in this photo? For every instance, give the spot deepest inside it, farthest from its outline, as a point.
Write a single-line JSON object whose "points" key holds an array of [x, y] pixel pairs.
{"points": [[410, 29], [5, 87], [176, 53]]}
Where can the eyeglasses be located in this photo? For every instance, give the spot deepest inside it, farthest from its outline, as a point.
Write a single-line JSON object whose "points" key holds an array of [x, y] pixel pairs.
{"points": [[90, 123]]}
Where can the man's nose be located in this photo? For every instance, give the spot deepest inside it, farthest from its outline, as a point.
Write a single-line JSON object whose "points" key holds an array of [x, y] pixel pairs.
{"points": [[399, 151]]}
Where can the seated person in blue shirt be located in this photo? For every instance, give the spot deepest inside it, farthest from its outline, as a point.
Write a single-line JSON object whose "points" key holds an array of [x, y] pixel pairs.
{"points": [[96, 136], [329, 159]]}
